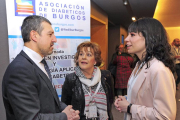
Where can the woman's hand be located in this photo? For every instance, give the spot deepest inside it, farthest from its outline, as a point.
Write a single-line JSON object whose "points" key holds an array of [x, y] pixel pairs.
{"points": [[116, 103], [121, 104]]}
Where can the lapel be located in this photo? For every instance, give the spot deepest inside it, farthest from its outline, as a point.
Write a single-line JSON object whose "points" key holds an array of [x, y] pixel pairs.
{"points": [[43, 76], [103, 82], [140, 79]]}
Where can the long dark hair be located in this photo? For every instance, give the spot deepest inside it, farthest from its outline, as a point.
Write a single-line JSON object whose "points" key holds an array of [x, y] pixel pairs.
{"points": [[156, 41]]}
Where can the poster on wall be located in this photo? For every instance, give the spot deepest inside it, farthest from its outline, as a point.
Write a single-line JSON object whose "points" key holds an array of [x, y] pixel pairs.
{"points": [[71, 23]]}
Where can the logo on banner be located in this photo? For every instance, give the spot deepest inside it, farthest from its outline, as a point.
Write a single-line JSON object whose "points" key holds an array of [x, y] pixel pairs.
{"points": [[24, 7], [56, 29]]}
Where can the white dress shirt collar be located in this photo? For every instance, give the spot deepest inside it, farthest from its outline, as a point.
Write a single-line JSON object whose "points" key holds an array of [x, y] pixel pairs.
{"points": [[33, 55]]}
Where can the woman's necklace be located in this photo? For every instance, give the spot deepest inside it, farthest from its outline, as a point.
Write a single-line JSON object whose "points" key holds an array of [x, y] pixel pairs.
{"points": [[138, 69]]}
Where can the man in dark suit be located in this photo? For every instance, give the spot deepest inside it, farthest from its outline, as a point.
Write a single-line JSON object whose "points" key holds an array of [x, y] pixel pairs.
{"points": [[28, 91]]}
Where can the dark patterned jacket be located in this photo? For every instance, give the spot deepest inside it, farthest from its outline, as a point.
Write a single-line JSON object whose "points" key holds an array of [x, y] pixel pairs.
{"points": [[123, 71], [72, 92]]}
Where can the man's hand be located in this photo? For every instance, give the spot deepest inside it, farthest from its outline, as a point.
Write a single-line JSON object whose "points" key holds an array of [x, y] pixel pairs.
{"points": [[71, 114], [76, 115]]}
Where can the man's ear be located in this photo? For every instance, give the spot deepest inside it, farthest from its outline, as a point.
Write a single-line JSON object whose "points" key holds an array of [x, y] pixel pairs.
{"points": [[33, 35]]}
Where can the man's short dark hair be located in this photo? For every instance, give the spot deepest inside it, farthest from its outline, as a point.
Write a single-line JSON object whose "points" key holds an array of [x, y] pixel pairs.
{"points": [[175, 39], [32, 22]]}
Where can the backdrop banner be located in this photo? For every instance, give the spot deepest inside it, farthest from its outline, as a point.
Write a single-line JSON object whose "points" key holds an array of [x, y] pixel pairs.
{"points": [[71, 23]]}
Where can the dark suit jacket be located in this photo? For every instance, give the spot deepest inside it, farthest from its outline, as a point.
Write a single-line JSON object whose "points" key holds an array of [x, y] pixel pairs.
{"points": [[28, 93]]}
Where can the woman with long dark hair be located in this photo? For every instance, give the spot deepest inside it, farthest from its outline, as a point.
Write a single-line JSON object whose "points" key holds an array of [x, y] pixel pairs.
{"points": [[151, 86]]}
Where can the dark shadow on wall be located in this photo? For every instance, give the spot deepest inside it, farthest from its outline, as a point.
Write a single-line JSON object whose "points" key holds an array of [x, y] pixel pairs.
{"points": [[113, 40], [4, 52]]}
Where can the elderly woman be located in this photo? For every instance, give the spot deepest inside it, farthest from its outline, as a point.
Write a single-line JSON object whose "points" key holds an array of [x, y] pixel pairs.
{"points": [[89, 89], [151, 86]]}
